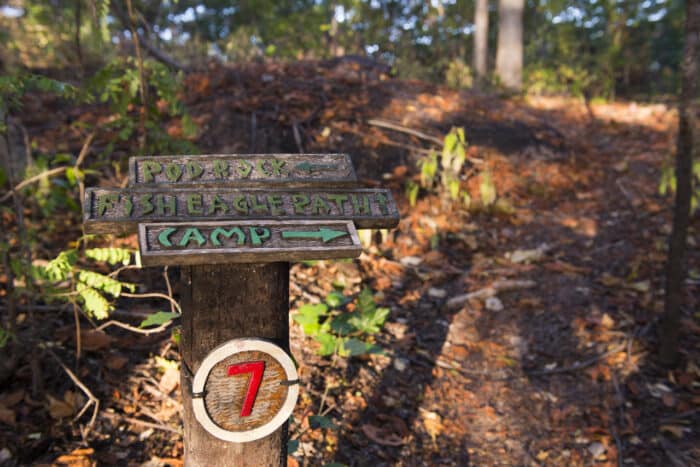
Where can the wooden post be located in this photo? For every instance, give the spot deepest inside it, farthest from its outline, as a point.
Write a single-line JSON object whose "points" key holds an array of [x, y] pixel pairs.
{"points": [[220, 303]]}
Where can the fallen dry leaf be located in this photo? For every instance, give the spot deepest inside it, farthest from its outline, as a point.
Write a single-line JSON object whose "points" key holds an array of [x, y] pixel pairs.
{"points": [[59, 408], [7, 416], [77, 458], [116, 362], [169, 381], [392, 433], [432, 423], [95, 340]]}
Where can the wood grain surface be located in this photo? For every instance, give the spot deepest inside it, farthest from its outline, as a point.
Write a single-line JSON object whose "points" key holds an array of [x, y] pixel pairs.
{"points": [[243, 170], [246, 242], [220, 303], [119, 211], [224, 394]]}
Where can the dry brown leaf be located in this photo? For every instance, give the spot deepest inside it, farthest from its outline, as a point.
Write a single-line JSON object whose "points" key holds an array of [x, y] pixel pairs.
{"points": [[12, 398], [668, 399], [77, 458], [675, 430], [7, 416], [59, 408], [116, 362], [92, 339], [169, 380], [393, 431], [432, 423]]}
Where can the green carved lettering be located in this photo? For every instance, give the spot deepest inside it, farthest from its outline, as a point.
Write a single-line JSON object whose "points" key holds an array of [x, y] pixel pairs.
{"points": [[319, 206], [240, 203], [360, 207], [193, 170], [257, 206], [276, 203], [164, 202], [244, 169], [164, 236], [128, 206], [217, 204], [240, 236], [173, 171], [146, 205], [300, 202], [338, 200], [220, 169], [260, 165], [104, 202], [194, 204], [277, 166], [192, 233], [258, 234], [150, 168], [382, 201]]}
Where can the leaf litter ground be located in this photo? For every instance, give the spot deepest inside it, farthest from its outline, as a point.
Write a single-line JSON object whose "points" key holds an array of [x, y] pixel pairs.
{"points": [[522, 335]]}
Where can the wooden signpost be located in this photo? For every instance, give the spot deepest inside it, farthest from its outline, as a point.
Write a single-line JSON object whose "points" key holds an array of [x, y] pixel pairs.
{"points": [[234, 222]]}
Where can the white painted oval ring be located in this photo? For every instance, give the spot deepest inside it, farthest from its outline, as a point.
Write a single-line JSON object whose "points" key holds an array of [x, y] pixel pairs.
{"points": [[233, 347]]}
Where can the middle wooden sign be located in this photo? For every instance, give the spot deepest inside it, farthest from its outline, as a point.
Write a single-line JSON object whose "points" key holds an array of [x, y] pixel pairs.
{"points": [[240, 208]]}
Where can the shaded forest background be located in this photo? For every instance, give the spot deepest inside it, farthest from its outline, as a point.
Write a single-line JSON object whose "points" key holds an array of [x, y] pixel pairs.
{"points": [[513, 317]]}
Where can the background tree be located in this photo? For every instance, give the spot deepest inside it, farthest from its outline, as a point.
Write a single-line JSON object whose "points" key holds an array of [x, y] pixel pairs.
{"points": [[481, 37], [509, 56], [675, 273]]}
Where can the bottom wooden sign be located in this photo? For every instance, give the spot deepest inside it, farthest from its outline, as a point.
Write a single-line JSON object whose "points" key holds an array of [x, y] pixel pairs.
{"points": [[182, 243], [244, 390]]}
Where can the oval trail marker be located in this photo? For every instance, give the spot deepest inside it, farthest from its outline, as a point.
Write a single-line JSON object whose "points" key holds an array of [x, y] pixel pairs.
{"points": [[244, 390]]}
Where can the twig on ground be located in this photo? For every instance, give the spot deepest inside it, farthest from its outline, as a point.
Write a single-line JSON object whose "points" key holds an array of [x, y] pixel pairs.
{"points": [[136, 421], [578, 366], [92, 400], [498, 286], [403, 129]]}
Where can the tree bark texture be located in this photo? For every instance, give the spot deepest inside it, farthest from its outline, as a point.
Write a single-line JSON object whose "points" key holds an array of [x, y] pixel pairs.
{"points": [[675, 273], [481, 39], [220, 303], [509, 56]]}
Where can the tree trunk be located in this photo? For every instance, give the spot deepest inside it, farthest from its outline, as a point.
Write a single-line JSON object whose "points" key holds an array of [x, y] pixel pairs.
{"points": [[220, 303], [670, 325], [509, 56], [481, 39]]}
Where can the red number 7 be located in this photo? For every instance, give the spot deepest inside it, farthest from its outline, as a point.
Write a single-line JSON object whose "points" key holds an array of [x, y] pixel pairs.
{"points": [[257, 369]]}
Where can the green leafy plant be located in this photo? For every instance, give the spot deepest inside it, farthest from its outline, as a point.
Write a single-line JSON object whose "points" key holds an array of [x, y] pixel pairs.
{"points": [[340, 330], [667, 184], [66, 279], [442, 171], [119, 84]]}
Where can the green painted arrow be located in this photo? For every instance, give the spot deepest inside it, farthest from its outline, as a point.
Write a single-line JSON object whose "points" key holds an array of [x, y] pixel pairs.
{"points": [[309, 167], [323, 234]]}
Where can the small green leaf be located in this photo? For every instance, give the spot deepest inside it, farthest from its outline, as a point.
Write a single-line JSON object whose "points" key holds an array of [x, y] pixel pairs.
{"points": [[112, 256], [340, 324], [336, 299], [328, 344], [158, 318], [320, 421], [292, 446], [355, 347]]}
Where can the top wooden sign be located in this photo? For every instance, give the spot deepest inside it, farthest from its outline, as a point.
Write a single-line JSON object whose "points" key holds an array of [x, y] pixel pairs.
{"points": [[243, 170]]}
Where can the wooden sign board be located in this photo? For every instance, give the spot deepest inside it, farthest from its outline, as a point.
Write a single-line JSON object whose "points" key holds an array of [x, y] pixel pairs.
{"points": [[244, 390], [243, 170], [119, 211], [187, 243]]}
